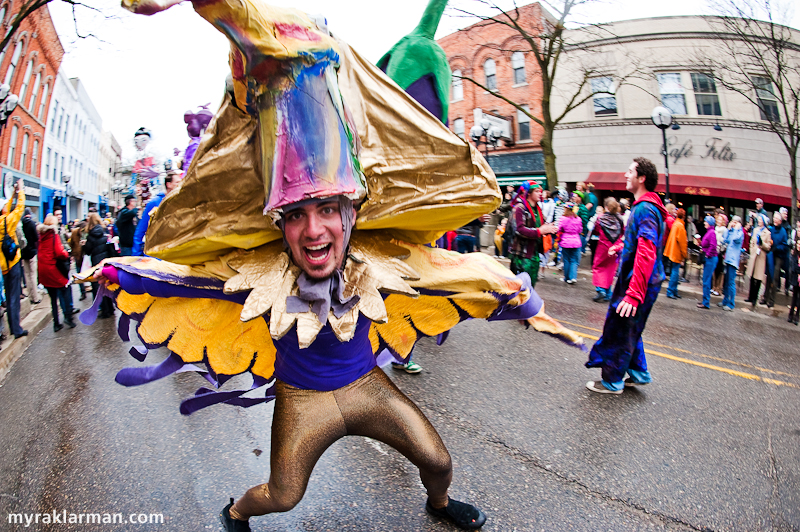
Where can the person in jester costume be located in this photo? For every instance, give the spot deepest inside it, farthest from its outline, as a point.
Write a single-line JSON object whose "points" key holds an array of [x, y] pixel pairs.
{"points": [[295, 251]]}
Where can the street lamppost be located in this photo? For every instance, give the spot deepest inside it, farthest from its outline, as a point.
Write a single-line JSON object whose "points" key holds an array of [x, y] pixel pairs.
{"points": [[486, 131], [66, 179], [662, 118], [8, 102]]}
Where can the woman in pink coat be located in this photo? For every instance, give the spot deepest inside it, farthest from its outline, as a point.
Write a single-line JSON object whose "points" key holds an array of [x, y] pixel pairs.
{"points": [[570, 228], [610, 228]]}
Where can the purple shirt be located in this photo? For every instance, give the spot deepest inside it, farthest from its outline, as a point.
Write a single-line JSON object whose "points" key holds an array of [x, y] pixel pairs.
{"points": [[709, 243]]}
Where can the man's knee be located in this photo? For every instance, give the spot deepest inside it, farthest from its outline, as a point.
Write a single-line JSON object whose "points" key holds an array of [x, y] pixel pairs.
{"points": [[283, 499]]}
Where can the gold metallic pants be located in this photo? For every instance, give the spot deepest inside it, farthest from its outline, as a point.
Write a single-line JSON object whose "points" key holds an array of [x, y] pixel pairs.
{"points": [[307, 422]]}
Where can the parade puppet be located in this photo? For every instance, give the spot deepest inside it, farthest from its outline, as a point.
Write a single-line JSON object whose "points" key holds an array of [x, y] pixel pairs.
{"points": [[196, 124], [145, 169], [295, 251]]}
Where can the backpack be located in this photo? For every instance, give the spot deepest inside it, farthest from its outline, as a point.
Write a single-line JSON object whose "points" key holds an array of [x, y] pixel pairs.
{"points": [[10, 247]]}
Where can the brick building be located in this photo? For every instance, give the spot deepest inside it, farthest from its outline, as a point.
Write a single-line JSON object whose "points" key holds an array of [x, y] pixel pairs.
{"points": [[29, 65], [495, 56]]}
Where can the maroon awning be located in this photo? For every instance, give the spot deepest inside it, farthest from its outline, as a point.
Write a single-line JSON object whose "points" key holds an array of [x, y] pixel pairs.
{"points": [[696, 185]]}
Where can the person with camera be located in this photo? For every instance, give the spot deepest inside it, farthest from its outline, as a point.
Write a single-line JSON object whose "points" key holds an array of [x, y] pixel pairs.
{"points": [[10, 258]]}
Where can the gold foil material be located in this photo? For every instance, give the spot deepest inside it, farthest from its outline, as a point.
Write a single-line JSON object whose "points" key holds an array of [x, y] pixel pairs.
{"points": [[422, 179]]}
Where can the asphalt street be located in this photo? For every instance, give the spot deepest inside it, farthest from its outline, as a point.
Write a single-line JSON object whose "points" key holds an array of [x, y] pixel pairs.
{"points": [[712, 444]]}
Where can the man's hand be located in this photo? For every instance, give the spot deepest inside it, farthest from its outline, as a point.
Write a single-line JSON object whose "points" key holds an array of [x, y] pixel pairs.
{"points": [[18, 185], [548, 229], [625, 309]]}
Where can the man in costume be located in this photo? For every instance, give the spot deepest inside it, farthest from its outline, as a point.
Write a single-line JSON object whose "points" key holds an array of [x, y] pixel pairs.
{"points": [[620, 350], [301, 260], [529, 227]]}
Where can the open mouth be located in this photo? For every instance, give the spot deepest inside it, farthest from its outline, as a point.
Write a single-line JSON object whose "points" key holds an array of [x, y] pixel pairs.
{"points": [[317, 254]]}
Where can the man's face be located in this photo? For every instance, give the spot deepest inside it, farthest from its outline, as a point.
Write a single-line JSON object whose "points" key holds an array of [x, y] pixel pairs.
{"points": [[759, 205], [785, 216], [315, 236], [535, 195], [777, 219], [58, 215], [633, 182], [671, 209]]}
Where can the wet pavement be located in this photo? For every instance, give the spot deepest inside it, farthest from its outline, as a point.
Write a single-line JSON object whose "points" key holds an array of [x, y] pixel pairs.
{"points": [[712, 444]]}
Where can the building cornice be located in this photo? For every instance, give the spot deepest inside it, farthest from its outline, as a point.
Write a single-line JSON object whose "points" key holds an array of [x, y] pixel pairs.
{"points": [[735, 124]]}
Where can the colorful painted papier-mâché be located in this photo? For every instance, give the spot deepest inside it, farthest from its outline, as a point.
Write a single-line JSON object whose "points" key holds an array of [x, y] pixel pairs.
{"points": [[219, 301]]}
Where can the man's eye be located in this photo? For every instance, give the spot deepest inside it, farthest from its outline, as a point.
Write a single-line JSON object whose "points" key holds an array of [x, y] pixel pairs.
{"points": [[293, 217]]}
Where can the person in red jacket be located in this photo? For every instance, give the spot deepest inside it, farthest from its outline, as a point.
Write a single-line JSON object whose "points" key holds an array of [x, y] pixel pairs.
{"points": [[57, 285]]}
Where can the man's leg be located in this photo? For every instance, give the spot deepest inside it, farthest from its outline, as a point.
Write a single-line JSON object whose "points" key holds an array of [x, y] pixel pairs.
{"points": [[674, 276], [531, 267], [730, 287], [304, 425], [13, 284]]}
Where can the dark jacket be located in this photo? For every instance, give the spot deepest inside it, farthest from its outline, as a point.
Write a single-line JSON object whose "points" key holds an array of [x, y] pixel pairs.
{"points": [[96, 246], [794, 271], [32, 236], [126, 227]]}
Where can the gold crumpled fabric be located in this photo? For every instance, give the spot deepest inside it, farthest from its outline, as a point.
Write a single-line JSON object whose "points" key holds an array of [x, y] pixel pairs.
{"points": [[422, 179]]}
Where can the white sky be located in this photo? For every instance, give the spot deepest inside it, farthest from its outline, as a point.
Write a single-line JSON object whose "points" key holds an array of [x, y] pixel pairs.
{"points": [[147, 71]]}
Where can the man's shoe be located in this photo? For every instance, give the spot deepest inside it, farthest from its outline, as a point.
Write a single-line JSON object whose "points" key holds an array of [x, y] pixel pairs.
{"points": [[683, 280], [71, 324], [57, 327], [461, 514], [700, 305], [20, 335], [727, 309], [83, 296], [75, 310], [229, 523], [597, 386], [719, 304], [630, 383], [673, 297], [410, 367], [598, 298]]}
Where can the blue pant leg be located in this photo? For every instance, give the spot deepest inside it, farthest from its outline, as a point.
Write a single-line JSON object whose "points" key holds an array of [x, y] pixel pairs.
{"points": [[65, 297], [620, 347], [674, 277], [708, 277], [13, 286], [730, 286]]}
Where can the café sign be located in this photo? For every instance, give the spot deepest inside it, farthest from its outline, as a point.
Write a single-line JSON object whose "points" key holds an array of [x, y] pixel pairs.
{"points": [[715, 149]]}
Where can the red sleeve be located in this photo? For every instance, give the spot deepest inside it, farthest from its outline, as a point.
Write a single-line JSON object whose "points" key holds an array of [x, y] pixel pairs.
{"points": [[527, 232], [60, 253], [642, 270]]}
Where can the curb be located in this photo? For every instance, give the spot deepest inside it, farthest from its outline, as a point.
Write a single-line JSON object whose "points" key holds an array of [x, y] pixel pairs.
{"points": [[35, 321]]}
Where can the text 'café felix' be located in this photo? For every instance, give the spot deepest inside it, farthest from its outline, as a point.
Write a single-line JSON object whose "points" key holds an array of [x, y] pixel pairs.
{"points": [[721, 151]]}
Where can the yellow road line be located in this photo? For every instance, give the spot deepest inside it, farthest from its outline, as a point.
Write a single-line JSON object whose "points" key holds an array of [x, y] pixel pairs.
{"points": [[742, 364], [742, 374]]}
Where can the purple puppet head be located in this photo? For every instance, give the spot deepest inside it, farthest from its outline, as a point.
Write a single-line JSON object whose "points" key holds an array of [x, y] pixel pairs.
{"points": [[197, 121]]}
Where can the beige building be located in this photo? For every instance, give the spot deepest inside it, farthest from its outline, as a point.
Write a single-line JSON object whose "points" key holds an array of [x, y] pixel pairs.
{"points": [[721, 153]]}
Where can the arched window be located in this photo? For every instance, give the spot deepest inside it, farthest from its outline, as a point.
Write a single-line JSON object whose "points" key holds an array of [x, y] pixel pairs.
{"points": [[23, 155], [26, 79], [518, 64], [458, 127], [490, 71], [43, 102], [458, 86], [12, 146], [13, 65], [2, 23], [34, 92], [34, 157]]}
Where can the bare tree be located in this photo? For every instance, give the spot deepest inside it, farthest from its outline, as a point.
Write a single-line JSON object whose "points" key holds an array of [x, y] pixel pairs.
{"points": [[761, 62], [550, 42]]}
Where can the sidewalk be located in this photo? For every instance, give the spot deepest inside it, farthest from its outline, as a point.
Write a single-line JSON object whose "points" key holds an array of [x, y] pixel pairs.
{"points": [[34, 319]]}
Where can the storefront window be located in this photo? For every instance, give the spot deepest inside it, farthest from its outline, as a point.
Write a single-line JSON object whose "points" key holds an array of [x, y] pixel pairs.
{"points": [[767, 101], [673, 96], [705, 95], [605, 103]]}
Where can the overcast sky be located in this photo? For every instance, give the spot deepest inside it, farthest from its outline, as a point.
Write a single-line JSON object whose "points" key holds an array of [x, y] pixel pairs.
{"points": [[147, 71]]}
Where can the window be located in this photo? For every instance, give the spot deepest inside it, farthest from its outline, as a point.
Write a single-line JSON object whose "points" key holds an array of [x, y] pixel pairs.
{"points": [[705, 95], [61, 174], [60, 122], [767, 101], [458, 127], [12, 146], [44, 102], [518, 65], [34, 157], [26, 79], [55, 169], [524, 124], [13, 65], [672, 93], [605, 103], [23, 156], [66, 129], [490, 71], [34, 92], [458, 86], [47, 164]]}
